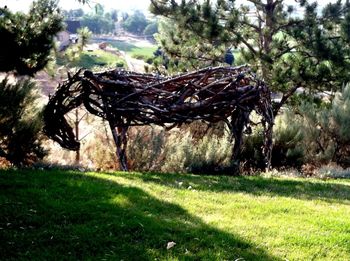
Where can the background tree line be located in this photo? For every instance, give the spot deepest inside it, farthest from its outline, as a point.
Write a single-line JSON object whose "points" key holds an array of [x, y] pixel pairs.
{"points": [[99, 21]]}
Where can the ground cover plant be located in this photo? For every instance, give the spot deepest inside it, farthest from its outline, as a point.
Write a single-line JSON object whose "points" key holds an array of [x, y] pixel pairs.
{"points": [[68, 215]]}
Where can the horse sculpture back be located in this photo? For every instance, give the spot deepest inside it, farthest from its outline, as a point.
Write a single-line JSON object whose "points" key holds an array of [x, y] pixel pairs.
{"points": [[125, 99]]}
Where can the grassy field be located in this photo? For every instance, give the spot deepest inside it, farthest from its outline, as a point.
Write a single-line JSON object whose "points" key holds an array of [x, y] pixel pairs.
{"points": [[99, 58], [96, 58], [139, 52], [61, 215]]}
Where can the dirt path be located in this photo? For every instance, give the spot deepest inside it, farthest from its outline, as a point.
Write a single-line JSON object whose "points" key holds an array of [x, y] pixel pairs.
{"points": [[133, 64]]}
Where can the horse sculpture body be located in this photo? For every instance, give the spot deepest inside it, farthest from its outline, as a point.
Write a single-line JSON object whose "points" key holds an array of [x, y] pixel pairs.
{"points": [[127, 99]]}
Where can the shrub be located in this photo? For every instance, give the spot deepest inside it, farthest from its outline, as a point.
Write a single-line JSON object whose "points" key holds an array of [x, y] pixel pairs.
{"points": [[151, 29], [251, 156], [327, 129], [288, 138], [340, 126], [151, 148], [145, 148], [288, 150], [20, 123], [333, 171], [318, 144]]}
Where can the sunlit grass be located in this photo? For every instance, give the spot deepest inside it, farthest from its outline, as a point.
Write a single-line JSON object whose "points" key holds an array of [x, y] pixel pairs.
{"points": [[93, 59], [143, 53], [139, 52], [89, 60], [48, 215]]}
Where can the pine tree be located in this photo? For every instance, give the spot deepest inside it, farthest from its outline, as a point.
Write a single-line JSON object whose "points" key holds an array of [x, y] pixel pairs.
{"points": [[84, 37], [288, 49], [27, 39], [20, 122], [26, 43]]}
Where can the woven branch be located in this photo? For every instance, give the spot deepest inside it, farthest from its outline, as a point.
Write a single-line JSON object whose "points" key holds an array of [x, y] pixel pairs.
{"points": [[125, 98]]}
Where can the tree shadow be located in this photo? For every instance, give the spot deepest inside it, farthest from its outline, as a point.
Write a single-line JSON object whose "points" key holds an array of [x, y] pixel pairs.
{"points": [[256, 185], [70, 216]]}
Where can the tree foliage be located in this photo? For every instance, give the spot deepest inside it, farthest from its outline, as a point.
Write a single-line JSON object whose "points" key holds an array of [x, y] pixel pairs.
{"points": [[73, 13], [99, 22], [20, 123], [27, 39], [135, 23], [327, 129], [286, 48], [151, 29], [84, 37]]}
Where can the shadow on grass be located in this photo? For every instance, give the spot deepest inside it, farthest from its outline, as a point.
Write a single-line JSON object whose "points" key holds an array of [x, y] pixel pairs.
{"points": [[300, 189], [59, 215]]}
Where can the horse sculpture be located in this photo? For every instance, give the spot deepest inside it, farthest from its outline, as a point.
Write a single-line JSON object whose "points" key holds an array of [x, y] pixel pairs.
{"points": [[125, 99]]}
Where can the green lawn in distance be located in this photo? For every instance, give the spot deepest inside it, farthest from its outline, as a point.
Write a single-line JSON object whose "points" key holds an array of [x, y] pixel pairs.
{"points": [[139, 52], [96, 58], [62, 215]]}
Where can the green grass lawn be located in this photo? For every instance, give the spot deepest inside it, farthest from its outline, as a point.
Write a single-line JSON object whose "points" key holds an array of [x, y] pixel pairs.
{"points": [[139, 52], [61, 215], [143, 52], [99, 58], [96, 58]]}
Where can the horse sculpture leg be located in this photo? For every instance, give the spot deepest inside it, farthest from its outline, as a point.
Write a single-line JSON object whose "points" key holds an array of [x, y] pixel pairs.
{"points": [[267, 149], [239, 120], [268, 121], [121, 142]]}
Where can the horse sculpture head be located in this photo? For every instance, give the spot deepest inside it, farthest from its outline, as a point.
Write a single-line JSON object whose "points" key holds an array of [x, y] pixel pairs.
{"points": [[67, 97]]}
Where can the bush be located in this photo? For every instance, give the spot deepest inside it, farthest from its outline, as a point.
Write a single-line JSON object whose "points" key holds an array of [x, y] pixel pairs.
{"points": [[340, 126], [333, 171], [305, 138], [151, 29], [20, 123], [153, 149], [288, 150], [145, 148], [313, 133], [150, 148], [318, 144], [251, 156], [288, 137], [327, 129]]}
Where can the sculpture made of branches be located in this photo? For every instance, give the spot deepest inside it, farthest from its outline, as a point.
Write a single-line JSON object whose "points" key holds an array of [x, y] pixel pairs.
{"points": [[125, 99]]}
